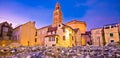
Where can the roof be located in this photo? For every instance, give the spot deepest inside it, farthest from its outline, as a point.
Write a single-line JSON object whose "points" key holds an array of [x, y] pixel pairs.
{"points": [[76, 21], [17, 26], [51, 29], [76, 30], [8, 25], [64, 26], [111, 24], [3, 22], [88, 32]]}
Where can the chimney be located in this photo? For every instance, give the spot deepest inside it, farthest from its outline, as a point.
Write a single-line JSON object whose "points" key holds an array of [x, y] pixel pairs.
{"points": [[10, 24]]}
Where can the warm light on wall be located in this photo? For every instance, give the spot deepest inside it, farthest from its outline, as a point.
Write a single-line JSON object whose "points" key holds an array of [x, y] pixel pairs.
{"points": [[67, 33], [3, 45]]}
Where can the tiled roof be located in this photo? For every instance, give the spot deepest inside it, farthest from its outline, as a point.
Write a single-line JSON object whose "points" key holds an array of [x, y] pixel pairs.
{"points": [[51, 29], [64, 26], [88, 32]]}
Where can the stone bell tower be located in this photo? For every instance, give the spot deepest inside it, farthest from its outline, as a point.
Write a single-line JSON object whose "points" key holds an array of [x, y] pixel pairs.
{"points": [[57, 17]]}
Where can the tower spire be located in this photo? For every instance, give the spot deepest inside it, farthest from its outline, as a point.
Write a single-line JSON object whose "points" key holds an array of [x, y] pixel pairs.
{"points": [[57, 6], [57, 15]]}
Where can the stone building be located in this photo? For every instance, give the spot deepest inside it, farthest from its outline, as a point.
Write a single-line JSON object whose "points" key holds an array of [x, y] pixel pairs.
{"points": [[61, 35], [97, 36], [78, 41], [111, 33], [105, 35], [58, 33], [41, 33], [5, 33], [26, 34], [81, 25]]}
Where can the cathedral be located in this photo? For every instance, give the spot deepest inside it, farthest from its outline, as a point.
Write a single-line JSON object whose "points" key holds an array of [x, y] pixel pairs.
{"points": [[62, 34]]}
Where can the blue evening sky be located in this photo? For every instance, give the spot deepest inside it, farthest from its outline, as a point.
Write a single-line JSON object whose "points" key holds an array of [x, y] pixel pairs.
{"points": [[95, 13]]}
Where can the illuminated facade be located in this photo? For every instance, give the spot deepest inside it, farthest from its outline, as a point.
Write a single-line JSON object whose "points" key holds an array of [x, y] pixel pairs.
{"points": [[97, 36], [41, 33], [25, 34], [108, 34], [57, 34], [111, 33], [61, 35], [78, 41], [57, 18], [77, 24], [81, 25]]}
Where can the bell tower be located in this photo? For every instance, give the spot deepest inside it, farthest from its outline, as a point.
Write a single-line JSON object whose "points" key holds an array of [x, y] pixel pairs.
{"points": [[57, 17]]}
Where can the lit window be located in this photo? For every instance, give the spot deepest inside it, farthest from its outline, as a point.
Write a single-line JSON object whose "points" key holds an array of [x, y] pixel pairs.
{"points": [[111, 34]]}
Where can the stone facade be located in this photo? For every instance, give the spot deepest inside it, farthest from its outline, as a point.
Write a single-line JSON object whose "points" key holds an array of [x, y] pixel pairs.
{"points": [[78, 24], [5, 33], [97, 37], [41, 33], [111, 32], [78, 40], [57, 34], [57, 18], [25, 34], [61, 35]]}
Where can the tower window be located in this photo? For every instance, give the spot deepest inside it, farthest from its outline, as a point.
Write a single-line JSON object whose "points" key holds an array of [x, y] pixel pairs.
{"points": [[59, 25], [111, 34], [112, 41]]}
